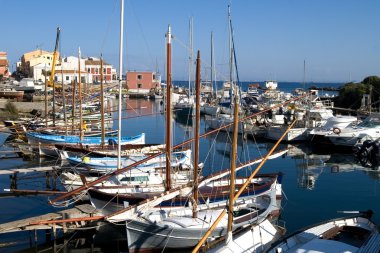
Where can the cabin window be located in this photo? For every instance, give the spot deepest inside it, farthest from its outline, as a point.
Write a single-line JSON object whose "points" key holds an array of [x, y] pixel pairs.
{"points": [[134, 179], [139, 77]]}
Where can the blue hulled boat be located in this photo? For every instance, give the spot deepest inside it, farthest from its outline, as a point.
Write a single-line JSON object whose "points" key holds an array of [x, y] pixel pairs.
{"points": [[38, 138]]}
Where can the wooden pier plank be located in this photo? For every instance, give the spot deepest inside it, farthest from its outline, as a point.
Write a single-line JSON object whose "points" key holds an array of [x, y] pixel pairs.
{"points": [[80, 211], [28, 170]]}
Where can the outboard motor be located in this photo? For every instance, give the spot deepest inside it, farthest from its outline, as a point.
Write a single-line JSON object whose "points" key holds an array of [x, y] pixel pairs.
{"points": [[367, 153]]}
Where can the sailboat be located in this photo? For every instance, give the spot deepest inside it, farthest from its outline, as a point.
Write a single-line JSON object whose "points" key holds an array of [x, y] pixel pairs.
{"points": [[181, 227], [211, 107], [184, 107], [355, 233]]}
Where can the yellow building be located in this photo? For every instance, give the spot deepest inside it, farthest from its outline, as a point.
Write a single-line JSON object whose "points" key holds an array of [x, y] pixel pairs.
{"points": [[38, 57]]}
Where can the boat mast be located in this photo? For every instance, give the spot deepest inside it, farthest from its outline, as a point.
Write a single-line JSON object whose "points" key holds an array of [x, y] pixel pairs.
{"points": [[63, 96], [73, 105], [213, 85], [51, 80], [120, 83], [197, 126], [190, 54], [102, 100], [81, 133], [233, 168], [230, 52], [46, 98], [168, 107]]}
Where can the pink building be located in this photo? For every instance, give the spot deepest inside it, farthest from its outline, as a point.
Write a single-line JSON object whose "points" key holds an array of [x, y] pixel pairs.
{"points": [[142, 82]]}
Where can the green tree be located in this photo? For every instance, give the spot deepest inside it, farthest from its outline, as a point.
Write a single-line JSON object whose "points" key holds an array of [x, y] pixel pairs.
{"points": [[351, 94]]}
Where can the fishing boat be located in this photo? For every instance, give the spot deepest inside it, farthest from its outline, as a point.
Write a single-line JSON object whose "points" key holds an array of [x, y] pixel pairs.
{"points": [[175, 228], [111, 150], [105, 164], [38, 138], [11, 94], [356, 233], [103, 197], [182, 228]]}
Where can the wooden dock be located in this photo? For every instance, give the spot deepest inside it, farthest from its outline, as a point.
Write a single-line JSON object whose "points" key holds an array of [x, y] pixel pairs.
{"points": [[74, 218], [29, 170]]}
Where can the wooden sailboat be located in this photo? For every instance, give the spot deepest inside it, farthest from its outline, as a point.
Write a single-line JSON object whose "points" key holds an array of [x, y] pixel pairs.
{"points": [[182, 227], [355, 233]]}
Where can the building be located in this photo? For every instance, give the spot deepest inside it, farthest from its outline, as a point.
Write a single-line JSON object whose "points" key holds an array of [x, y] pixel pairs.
{"points": [[142, 82], [37, 58], [93, 68], [4, 65], [68, 71]]}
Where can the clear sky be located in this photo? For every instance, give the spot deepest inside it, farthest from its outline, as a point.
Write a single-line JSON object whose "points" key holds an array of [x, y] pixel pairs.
{"points": [[338, 39]]}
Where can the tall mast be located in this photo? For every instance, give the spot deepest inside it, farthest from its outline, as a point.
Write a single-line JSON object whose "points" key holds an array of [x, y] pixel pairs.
{"points": [[63, 97], [212, 66], [230, 51], [168, 107], [304, 74], [102, 100], [51, 80], [120, 82], [197, 123], [190, 52], [73, 105], [46, 98], [81, 134], [233, 168]]}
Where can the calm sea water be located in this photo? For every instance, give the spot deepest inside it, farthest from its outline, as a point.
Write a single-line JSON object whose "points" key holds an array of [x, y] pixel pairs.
{"points": [[317, 183]]}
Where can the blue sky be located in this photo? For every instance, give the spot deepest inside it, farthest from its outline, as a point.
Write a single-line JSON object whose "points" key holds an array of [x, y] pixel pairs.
{"points": [[338, 39]]}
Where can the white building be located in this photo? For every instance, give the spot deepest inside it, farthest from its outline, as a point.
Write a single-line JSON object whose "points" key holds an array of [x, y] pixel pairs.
{"points": [[68, 71]]}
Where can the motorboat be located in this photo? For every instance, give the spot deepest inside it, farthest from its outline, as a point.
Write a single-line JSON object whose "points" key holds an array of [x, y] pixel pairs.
{"points": [[368, 129]]}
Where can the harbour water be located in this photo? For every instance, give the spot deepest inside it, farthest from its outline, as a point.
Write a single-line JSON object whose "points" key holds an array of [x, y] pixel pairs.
{"points": [[318, 182]]}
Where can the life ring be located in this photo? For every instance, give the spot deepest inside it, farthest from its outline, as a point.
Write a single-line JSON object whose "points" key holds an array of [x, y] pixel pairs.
{"points": [[336, 130]]}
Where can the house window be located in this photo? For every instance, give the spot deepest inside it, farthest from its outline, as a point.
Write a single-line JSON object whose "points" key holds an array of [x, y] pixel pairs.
{"points": [[139, 77], [139, 85], [88, 70], [67, 78], [104, 70]]}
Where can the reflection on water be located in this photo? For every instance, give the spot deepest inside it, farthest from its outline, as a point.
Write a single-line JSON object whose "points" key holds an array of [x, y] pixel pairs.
{"points": [[317, 182]]}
